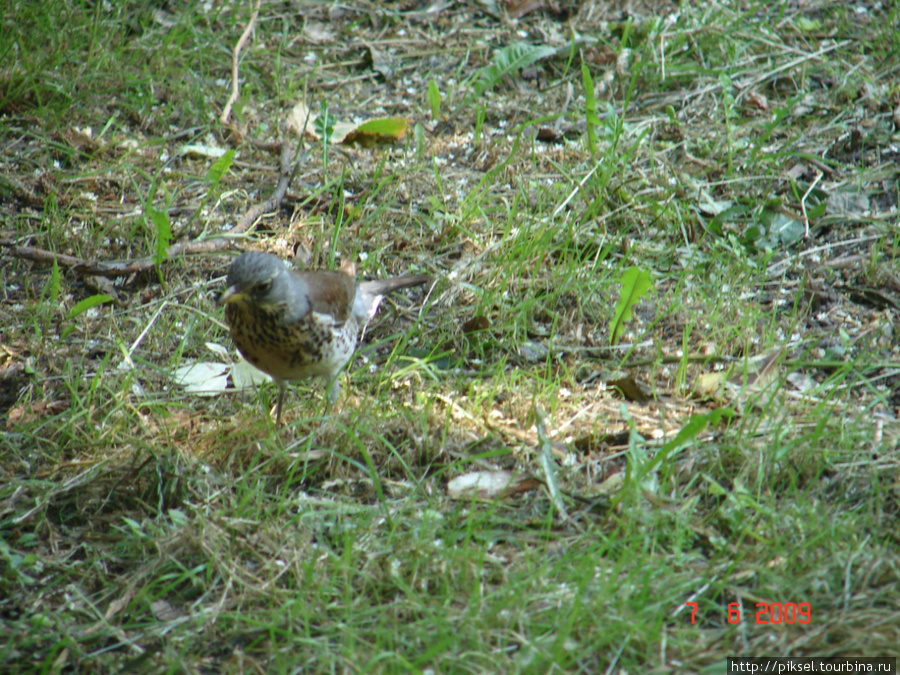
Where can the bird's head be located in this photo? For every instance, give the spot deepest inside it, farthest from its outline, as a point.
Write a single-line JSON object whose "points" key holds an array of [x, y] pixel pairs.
{"points": [[259, 279]]}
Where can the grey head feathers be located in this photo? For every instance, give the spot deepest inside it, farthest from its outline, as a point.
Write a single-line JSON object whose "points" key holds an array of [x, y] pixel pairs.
{"points": [[264, 280]]}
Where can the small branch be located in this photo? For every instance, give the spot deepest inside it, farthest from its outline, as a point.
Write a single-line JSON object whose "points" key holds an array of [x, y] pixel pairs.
{"points": [[803, 204], [39, 254], [192, 247], [226, 113]]}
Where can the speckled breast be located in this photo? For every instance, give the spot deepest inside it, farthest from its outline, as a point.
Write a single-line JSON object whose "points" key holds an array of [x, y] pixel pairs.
{"points": [[315, 345]]}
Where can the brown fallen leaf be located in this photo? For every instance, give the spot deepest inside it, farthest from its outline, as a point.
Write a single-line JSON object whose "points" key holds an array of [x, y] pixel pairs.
{"points": [[740, 380], [24, 414], [630, 389], [754, 99], [476, 324], [519, 8]]}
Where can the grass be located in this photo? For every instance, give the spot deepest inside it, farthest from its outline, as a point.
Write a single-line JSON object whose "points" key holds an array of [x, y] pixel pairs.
{"points": [[147, 529]]}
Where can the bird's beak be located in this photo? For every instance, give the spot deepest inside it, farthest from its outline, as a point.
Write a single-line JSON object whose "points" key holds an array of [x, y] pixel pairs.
{"points": [[231, 294]]}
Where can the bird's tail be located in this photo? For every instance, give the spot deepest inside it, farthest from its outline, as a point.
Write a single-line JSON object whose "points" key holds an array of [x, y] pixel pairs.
{"points": [[370, 293]]}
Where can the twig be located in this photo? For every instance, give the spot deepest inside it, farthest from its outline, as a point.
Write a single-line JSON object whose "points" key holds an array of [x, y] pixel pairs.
{"points": [[192, 247], [803, 204], [226, 112]]}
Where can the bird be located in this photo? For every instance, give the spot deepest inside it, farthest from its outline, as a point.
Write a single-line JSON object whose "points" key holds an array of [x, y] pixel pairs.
{"points": [[296, 325]]}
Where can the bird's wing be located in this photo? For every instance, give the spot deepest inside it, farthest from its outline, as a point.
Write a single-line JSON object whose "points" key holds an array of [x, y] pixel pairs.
{"points": [[329, 292]]}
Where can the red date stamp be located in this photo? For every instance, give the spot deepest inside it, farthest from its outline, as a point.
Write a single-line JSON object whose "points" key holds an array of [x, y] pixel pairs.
{"points": [[770, 613]]}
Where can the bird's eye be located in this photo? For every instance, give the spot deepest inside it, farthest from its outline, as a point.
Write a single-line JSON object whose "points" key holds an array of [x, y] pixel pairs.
{"points": [[264, 287]]}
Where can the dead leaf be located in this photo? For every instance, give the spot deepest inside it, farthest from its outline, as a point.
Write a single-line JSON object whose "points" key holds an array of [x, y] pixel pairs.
{"points": [[164, 611], [301, 121], [382, 63], [82, 139], [119, 604], [756, 100], [600, 55], [244, 375], [801, 381], [7, 357], [630, 389], [532, 352], [489, 484], [28, 413], [519, 8], [476, 324], [739, 381], [203, 378], [601, 442], [318, 33], [613, 483]]}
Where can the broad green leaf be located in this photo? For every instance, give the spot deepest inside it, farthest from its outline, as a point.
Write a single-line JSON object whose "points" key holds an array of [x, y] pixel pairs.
{"points": [[84, 306], [434, 100], [160, 220], [220, 167], [87, 303], [324, 124], [635, 285], [386, 130]]}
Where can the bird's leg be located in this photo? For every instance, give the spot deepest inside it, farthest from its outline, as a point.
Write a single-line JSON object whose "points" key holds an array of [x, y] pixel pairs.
{"points": [[334, 391], [281, 388]]}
